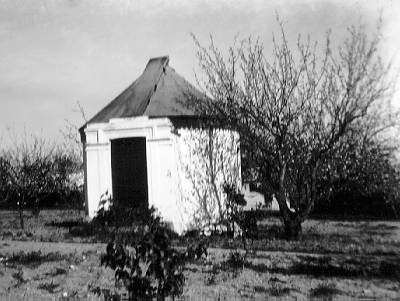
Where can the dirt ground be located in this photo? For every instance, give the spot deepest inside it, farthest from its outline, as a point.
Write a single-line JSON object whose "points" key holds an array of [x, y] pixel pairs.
{"points": [[337, 260]]}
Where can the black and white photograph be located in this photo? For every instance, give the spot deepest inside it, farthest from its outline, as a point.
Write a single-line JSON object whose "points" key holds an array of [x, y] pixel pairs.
{"points": [[199, 150]]}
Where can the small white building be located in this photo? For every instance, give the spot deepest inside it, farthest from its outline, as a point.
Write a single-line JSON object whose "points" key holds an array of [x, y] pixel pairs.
{"points": [[146, 148]]}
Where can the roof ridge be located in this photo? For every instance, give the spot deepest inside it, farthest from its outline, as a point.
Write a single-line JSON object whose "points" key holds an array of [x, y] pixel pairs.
{"points": [[164, 69], [158, 91], [165, 64]]}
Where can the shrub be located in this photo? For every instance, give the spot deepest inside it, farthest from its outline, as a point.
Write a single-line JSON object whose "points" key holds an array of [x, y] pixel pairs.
{"points": [[49, 286], [235, 214], [235, 263], [236, 260], [196, 250], [324, 291], [19, 277], [143, 258], [278, 291], [106, 294], [245, 220], [32, 258], [234, 207], [145, 263], [57, 272], [112, 214], [211, 280], [248, 224], [36, 258]]}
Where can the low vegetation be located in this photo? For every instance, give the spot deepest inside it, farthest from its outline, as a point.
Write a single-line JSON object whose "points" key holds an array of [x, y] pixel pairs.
{"points": [[35, 258], [324, 291], [145, 262], [351, 254], [372, 237], [49, 287]]}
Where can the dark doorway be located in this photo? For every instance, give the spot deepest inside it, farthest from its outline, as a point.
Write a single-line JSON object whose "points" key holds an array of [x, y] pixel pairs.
{"points": [[129, 171]]}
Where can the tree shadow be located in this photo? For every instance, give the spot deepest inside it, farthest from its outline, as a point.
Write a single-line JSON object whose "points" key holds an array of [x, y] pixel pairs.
{"points": [[326, 266]]}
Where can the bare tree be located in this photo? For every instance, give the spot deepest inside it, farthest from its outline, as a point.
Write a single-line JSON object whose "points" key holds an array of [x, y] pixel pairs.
{"points": [[295, 110], [26, 172], [71, 138]]}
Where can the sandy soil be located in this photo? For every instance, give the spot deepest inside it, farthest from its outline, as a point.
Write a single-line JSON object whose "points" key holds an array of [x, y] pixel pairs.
{"points": [[269, 275], [333, 259]]}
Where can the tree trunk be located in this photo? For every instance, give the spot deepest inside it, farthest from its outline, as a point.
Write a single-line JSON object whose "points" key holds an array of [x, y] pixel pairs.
{"points": [[292, 228], [396, 216], [35, 209], [21, 217], [291, 220]]}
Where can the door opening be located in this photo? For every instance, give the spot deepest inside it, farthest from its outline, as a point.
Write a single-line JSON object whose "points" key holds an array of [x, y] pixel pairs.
{"points": [[129, 172]]}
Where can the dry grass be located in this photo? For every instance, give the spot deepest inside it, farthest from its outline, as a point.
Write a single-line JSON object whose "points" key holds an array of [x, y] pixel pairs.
{"points": [[50, 225], [265, 275], [327, 237], [342, 237], [361, 258]]}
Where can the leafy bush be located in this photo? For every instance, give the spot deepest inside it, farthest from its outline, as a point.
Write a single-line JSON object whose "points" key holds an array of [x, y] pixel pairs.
{"points": [[49, 286], [36, 258], [146, 263], [112, 214], [32, 258], [248, 224], [57, 272], [143, 258], [324, 291], [106, 294], [196, 250], [234, 207], [211, 280], [19, 277], [278, 291], [245, 220], [236, 216], [236, 260]]}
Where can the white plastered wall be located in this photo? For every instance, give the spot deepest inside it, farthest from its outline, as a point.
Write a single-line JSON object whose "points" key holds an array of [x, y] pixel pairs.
{"points": [[169, 162], [206, 160]]}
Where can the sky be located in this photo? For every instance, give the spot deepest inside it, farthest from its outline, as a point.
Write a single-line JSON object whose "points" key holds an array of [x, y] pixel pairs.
{"points": [[54, 54]]}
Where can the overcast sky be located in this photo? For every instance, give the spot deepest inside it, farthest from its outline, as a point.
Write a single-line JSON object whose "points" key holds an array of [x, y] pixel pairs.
{"points": [[55, 53]]}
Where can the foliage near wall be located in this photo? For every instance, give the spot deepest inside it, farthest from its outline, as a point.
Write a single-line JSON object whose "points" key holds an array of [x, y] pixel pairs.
{"points": [[208, 159]]}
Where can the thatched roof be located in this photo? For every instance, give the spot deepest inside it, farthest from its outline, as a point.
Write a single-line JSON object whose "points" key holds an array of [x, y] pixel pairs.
{"points": [[158, 92]]}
